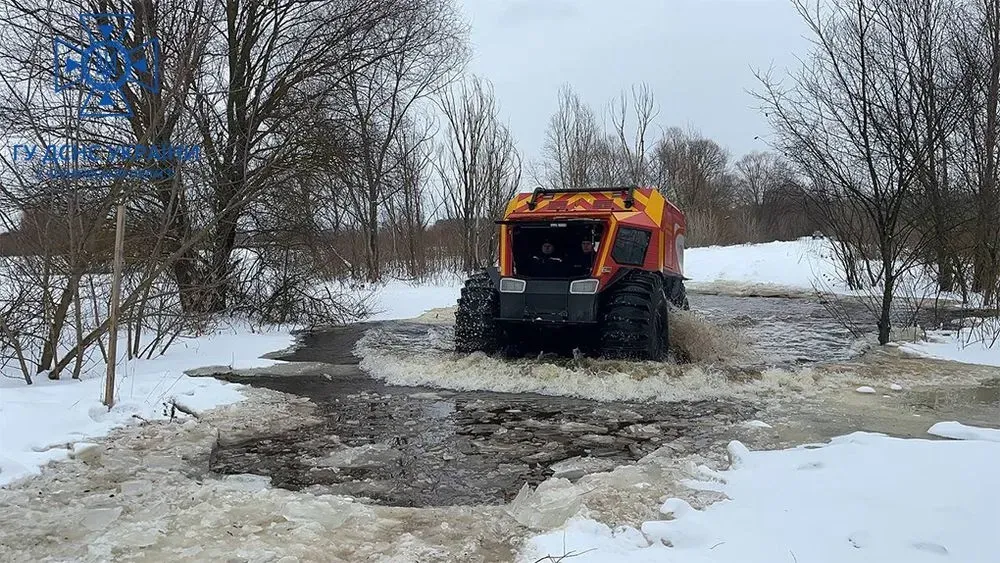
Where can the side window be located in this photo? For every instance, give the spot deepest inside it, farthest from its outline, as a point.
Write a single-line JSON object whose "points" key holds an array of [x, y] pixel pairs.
{"points": [[630, 246]]}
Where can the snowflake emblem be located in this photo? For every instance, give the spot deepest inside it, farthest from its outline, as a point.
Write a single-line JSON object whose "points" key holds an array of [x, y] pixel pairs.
{"points": [[104, 67]]}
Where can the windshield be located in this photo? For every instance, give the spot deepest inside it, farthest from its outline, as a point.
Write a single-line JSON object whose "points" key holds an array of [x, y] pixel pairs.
{"points": [[556, 249]]}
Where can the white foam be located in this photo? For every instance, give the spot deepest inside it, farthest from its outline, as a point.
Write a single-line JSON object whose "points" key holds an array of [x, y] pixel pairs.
{"points": [[588, 378]]}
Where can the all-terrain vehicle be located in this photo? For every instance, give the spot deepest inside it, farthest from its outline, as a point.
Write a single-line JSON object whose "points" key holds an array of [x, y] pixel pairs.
{"points": [[594, 269]]}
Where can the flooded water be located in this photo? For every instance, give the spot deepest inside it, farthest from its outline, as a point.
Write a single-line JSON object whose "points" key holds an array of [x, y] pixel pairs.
{"points": [[986, 395], [414, 447], [782, 332], [408, 422]]}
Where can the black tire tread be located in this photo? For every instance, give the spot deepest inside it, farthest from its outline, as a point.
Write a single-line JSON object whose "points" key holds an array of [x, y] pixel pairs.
{"points": [[475, 326], [633, 321]]}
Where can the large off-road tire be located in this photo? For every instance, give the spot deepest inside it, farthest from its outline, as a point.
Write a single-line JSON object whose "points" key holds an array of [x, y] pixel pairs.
{"points": [[475, 324], [633, 319], [676, 294]]}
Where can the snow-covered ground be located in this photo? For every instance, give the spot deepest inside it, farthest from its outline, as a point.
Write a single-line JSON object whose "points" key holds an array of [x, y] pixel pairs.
{"points": [[404, 300], [861, 497], [799, 264], [974, 345], [48, 420], [804, 265]]}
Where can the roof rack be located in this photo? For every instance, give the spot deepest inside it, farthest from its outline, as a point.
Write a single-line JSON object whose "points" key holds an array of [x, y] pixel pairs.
{"points": [[540, 191]]}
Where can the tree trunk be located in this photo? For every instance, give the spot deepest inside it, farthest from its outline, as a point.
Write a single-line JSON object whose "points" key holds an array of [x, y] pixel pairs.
{"points": [[55, 329], [372, 254], [987, 269], [885, 318]]}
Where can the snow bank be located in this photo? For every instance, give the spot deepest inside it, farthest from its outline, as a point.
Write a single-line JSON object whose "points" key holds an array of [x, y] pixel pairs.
{"points": [[789, 268], [404, 300], [861, 497], [795, 264], [959, 431], [973, 346], [41, 422]]}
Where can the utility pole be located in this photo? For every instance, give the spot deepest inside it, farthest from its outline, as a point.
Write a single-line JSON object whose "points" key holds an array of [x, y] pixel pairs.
{"points": [[116, 287]]}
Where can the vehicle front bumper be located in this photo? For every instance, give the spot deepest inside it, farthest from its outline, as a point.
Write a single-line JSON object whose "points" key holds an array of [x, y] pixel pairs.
{"points": [[548, 301]]}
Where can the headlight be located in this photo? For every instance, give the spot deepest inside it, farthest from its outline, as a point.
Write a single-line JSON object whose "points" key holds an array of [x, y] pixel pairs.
{"points": [[511, 285], [583, 287]]}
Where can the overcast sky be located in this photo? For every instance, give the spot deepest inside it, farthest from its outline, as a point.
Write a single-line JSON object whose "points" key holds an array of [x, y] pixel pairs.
{"points": [[696, 55]]}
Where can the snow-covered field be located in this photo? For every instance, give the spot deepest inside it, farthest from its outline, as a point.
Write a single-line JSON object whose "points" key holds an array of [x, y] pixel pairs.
{"points": [[799, 264], [805, 265], [53, 420], [403, 300], [861, 497]]}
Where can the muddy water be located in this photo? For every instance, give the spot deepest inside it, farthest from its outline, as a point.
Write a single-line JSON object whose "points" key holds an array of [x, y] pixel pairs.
{"points": [[425, 446], [414, 447]]}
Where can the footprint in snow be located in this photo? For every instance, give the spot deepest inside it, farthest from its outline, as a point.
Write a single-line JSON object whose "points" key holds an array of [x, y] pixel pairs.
{"points": [[812, 465], [931, 547], [859, 539]]}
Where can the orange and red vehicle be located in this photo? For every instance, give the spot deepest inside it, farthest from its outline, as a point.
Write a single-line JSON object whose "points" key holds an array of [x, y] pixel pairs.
{"points": [[591, 269]]}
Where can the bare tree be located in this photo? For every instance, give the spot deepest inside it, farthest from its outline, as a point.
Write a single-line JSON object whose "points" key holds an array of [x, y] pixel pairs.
{"points": [[246, 80], [759, 177], [847, 121], [693, 169], [572, 142], [423, 50], [979, 60], [631, 142], [478, 165]]}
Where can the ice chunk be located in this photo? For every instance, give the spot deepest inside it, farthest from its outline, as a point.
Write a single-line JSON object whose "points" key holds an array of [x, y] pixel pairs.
{"points": [[327, 511], [643, 431], [865, 389], [98, 518], [548, 506], [756, 424], [368, 455], [246, 482], [582, 428], [135, 487], [576, 467], [738, 454], [676, 507], [959, 431], [163, 462], [139, 538], [87, 452], [896, 387]]}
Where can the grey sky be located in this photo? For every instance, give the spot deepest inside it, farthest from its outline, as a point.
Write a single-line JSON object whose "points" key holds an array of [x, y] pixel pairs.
{"points": [[696, 55]]}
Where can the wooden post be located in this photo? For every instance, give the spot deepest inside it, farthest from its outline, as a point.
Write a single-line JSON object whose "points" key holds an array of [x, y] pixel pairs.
{"points": [[116, 287]]}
